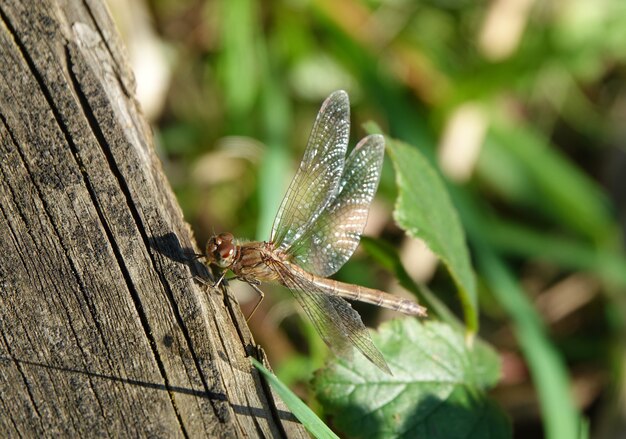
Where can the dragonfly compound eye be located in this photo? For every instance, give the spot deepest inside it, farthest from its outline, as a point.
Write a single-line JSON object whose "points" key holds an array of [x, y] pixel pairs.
{"points": [[211, 250], [224, 254], [228, 237], [226, 250]]}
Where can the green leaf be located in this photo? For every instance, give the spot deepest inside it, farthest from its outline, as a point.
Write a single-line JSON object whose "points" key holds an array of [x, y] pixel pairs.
{"points": [[437, 389], [311, 422], [424, 210]]}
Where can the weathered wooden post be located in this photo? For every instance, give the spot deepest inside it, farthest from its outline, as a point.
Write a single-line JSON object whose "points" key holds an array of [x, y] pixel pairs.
{"points": [[103, 331]]}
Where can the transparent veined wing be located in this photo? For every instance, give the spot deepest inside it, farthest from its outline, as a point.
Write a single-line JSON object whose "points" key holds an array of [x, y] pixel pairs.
{"points": [[317, 178], [339, 325], [334, 236]]}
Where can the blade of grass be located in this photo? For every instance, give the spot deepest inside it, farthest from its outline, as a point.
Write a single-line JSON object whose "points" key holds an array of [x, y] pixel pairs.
{"points": [[549, 373], [561, 418], [550, 183], [276, 120], [239, 62], [568, 253], [311, 422]]}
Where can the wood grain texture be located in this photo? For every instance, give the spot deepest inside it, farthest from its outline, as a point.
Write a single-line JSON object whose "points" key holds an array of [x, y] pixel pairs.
{"points": [[103, 331]]}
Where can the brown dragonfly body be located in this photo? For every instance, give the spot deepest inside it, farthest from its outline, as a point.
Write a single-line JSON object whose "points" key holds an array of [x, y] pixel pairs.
{"points": [[255, 262], [316, 230]]}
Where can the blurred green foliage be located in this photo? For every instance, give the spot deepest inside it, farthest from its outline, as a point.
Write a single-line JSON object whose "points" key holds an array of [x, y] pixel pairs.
{"points": [[543, 207]]}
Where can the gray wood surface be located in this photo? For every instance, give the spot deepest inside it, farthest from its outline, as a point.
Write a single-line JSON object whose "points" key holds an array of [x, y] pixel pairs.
{"points": [[103, 331]]}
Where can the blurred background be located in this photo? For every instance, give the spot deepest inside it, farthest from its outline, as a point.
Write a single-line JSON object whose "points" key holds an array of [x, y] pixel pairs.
{"points": [[520, 104]]}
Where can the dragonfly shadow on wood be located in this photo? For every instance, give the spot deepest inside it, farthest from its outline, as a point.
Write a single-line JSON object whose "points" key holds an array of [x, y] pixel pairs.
{"points": [[169, 246]]}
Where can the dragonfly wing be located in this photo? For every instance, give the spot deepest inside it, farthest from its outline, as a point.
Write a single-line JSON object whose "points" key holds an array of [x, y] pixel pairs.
{"points": [[317, 178], [339, 325], [334, 236]]}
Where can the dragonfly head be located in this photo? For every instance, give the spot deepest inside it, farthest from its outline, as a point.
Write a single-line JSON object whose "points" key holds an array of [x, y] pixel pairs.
{"points": [[221, 250]]}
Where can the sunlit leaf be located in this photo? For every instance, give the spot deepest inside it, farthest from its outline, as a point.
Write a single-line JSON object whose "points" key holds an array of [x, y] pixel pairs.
{"points": [[424, 210], [437, 389]]}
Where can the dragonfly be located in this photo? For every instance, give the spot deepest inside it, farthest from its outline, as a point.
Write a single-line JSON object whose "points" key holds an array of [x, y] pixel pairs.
{"points": [[317, 229]]}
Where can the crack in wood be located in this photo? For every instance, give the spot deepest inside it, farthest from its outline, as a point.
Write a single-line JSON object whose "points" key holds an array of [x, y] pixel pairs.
{"points": [[66, 252], [102, 142], [26, 383]]}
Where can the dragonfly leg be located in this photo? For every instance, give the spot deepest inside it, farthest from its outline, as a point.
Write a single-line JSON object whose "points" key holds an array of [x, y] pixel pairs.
{"points": [[261, 294], [200, 280], [216, 284], [220, 280]]}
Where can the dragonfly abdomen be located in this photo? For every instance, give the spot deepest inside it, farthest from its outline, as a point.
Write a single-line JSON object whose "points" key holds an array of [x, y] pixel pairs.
{"points": [[369, 295]]}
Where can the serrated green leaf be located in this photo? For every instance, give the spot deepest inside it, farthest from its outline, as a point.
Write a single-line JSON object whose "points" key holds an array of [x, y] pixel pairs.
{"points": [[311, 422], [437, 389], [424, 210]]}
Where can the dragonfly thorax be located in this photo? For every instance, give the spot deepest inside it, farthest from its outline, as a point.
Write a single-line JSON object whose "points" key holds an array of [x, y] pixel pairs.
{"points": [[221, 250]]}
